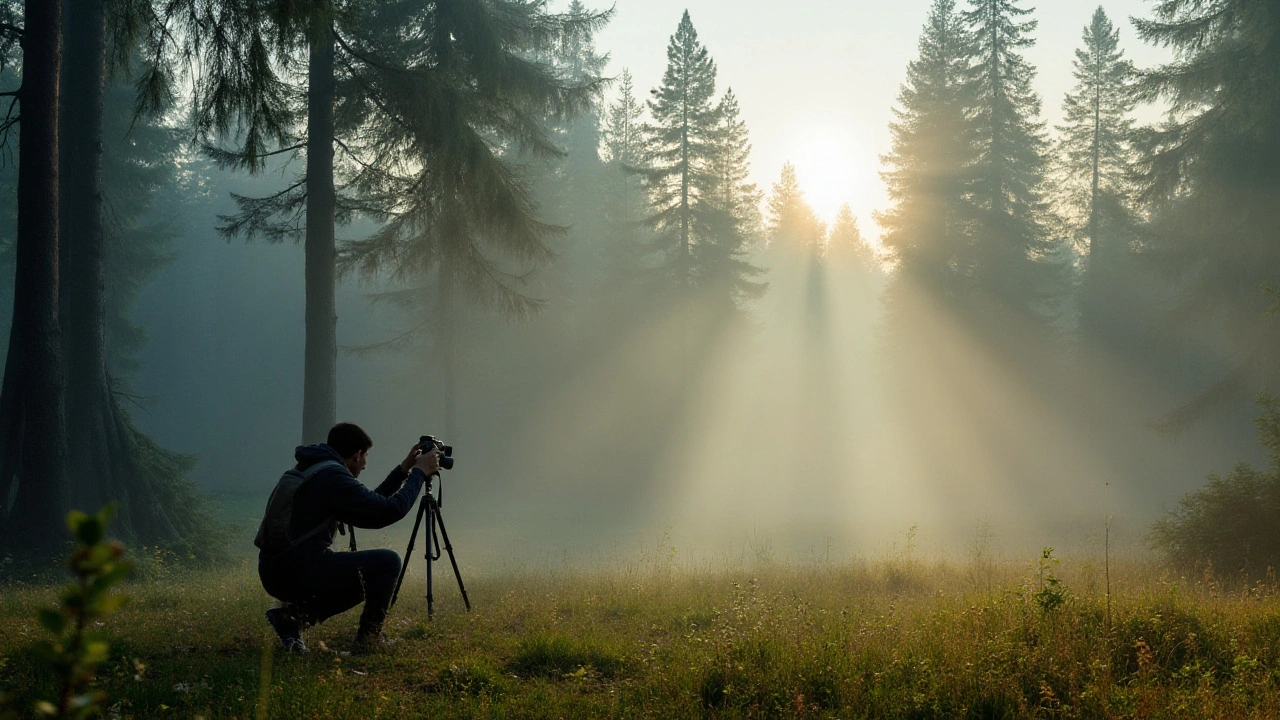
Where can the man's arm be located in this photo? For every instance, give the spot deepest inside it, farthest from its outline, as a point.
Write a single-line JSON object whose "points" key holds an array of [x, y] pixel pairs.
{"points": [[353, 503]]}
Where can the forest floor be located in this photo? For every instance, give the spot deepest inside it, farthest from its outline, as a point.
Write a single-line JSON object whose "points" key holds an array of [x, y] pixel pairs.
{"points": [[891, 639]]}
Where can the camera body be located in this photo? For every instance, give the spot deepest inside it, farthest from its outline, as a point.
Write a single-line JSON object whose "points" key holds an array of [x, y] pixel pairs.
{"points": [[427, 443]]}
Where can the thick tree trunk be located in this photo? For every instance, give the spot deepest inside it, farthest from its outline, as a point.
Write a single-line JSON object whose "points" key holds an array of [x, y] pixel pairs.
{"points": [[32, 422], [83, 246], [104, 466], [320, 371]]}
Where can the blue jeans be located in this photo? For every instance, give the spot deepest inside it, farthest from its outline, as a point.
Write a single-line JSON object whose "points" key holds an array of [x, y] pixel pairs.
{"points": [[321, 586]]}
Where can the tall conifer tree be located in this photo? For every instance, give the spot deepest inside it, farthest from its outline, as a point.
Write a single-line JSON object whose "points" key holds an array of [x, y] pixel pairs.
{"points": [[928, 229], [623, 148], [1012, 251], [679, 150], [1096, 164], [735, 193], [734, 218]]}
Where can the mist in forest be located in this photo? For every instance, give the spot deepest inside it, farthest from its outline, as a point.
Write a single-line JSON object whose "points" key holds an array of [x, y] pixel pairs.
{"points": [[948, 349]]}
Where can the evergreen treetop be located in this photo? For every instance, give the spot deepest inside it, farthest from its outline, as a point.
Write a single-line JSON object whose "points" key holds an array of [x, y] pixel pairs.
{"points": [[792, 223], [928, 227], [680, 142]]}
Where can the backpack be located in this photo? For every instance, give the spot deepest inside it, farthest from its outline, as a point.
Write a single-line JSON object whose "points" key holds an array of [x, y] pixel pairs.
{"points": [[273, 536]]}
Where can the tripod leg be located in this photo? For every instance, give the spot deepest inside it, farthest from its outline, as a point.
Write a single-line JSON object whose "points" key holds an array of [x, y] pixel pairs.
{"points": [[432, 510], [408, 553], [452, 560]]}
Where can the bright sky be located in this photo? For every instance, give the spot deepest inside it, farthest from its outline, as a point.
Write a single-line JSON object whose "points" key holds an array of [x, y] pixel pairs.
{"points": [[817, 79]]}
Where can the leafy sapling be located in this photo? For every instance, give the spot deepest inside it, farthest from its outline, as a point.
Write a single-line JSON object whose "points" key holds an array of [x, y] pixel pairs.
{"points": [[74, 652]]}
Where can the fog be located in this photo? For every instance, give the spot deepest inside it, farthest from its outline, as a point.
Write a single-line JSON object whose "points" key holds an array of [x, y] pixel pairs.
{"points": [[782, 437], [849, 405]]}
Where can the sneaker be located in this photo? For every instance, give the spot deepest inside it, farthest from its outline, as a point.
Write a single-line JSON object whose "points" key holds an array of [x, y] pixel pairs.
{"points": [[288, 628]]}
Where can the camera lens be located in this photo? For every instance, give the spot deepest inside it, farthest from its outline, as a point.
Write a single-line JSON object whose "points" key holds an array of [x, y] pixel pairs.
{"points": [[446, 463]]}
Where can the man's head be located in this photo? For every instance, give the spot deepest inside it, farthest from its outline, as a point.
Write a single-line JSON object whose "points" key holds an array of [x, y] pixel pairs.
{"points": [[352, 443]]}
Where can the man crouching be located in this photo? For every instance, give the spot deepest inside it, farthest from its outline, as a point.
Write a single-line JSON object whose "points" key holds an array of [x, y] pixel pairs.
{"points": [[307, 510]]}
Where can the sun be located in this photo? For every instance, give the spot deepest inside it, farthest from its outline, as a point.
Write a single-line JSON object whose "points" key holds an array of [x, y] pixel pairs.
{"points": [[829, 166]]}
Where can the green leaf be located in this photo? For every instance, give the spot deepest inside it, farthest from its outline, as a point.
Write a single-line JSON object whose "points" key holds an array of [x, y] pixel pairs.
{"points": [[74, 519], [44, 708], [51, 620]]}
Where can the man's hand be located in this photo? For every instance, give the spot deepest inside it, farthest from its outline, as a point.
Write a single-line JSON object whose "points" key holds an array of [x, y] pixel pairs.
{"points": [[428, 462], [410, 459]]}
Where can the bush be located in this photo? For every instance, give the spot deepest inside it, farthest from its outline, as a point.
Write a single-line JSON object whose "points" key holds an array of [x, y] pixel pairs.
{"points": [[1230, 524]]}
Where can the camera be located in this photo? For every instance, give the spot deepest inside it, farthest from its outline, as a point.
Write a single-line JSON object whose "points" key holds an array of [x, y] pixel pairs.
{"points": [[427, 443]]}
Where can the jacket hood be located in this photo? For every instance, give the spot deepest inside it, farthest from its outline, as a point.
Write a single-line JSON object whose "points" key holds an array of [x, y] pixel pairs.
{"points": [[308, 455]]}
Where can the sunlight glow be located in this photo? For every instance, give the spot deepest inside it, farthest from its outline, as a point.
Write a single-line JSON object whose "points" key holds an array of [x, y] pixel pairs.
{"points": [[830, 167]]}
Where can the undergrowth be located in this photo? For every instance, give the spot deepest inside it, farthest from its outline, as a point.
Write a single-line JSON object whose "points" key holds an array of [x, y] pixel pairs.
{"points": [[862, 640]]}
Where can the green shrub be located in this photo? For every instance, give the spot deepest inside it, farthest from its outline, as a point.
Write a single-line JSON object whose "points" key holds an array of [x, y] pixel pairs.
{"points": [[1229, 525]]}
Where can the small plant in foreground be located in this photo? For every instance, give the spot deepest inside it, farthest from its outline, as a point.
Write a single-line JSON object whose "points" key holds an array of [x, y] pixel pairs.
{"points": [[1050, 594], [74, 653]]}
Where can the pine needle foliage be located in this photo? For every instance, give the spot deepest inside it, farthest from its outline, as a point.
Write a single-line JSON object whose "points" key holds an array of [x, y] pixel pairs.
{"points": [[432, 112], [1012, 250], [793, 225], [928, 227], [1211, 176], [846, 245]]}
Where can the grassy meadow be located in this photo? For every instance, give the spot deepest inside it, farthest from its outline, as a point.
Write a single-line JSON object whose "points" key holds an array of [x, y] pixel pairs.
{"points": [[871, 639]]}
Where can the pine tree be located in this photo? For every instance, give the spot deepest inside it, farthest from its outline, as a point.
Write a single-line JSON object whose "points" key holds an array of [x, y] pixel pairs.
{"points": [[735, 193], [625, 205], [680, 144], [733, 214], [846, 247], [623, 148], [933, 146], [243, 55], [793, 225], [1096, 164], [1012, 255], [622, 128], [441, 102], [928, 228], [1211, 175]]}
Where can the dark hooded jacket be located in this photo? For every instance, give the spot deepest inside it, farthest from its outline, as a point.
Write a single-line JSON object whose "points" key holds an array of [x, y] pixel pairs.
{"points": [[334, 495]]}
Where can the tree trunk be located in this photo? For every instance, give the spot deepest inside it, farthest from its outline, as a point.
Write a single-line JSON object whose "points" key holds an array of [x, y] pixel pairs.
{"points": [[104, 467], [448, 349], [320, 371], [33, 441], [83, 247]]}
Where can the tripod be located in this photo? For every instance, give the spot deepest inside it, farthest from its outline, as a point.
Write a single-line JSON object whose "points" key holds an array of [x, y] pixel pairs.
{"points": [[430, 506]]}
